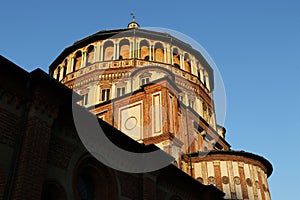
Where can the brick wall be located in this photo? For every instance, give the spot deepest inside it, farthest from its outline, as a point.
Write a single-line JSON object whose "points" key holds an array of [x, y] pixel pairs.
{"points": [[2, 183], [31, 165], [8, 126], [149, 188]]}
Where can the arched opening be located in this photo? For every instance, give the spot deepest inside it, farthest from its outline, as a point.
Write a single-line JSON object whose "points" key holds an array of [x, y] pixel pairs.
{"points": [[52, 190], [175, 197], [58, 73], [146, 58], [187, 63], [90, 55], [93, 180], [206, 80], [144, 48], [199, 74], [108, 50], [77, 61], [86, 185], [65, 68], [159, 52], [176, 58], [124, 49]]}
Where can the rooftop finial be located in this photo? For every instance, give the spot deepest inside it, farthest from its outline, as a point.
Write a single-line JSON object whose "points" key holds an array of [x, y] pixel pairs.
{"points": [[133, 23], [133, 16]]}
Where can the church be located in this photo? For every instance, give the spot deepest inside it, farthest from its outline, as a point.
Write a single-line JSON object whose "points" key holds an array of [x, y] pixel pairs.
{"points": [[122, 114]]}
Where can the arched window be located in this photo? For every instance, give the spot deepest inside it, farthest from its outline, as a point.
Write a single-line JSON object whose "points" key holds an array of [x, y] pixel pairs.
{"points": [[65, 68], [199, 74], [52, 190], [105, 94], [144, 48], [175, 197], [90, 55], [108, 51], [124, 49], [176, 58], [159, 52], [86, 186], [145, 78], [77, 61], [93, 180], [58, 73], [187, 63]]}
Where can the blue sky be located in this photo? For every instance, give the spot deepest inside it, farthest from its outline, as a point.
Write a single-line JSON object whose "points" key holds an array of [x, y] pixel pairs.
{"points": [[255, 44]]}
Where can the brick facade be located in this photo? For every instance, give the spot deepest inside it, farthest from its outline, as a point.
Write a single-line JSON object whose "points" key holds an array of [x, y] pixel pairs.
{"points": [[32, 159]]}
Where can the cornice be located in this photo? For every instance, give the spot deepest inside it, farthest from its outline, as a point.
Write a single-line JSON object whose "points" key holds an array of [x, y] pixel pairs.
{"points": [[161, 138], [238, 156]]}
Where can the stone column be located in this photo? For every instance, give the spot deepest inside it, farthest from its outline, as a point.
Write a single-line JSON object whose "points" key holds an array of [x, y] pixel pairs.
{"points": [[131, 50], [193, 68], [171, 56], [118, 51], [202, 75], [72, 64], [207, 82], [181, 61], [138, 50], [115, 51], [165, 54], [101, 52], [83, 59], [95, 53], [113, 90], [150, 52]]}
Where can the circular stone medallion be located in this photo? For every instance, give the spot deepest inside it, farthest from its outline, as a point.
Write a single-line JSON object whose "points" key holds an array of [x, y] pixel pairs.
{"points": [[257, 184], [130, 123], [200, 179], [249, 182], [225, 179], [237, 180], [211, 180]]}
